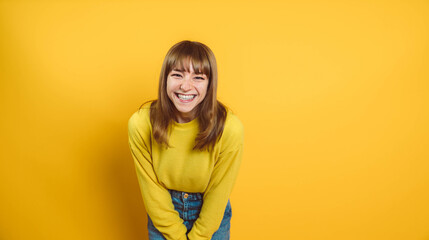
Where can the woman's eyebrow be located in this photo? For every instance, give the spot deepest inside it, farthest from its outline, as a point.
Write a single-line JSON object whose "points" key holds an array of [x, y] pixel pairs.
{"points": [[182, 71]]}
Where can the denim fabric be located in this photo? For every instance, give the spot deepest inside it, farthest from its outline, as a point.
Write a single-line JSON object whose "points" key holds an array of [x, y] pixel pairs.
{"points": [[188, 205]]}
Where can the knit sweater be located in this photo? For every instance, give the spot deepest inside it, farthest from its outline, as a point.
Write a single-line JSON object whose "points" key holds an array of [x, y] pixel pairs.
{"points": [[181, 168]]}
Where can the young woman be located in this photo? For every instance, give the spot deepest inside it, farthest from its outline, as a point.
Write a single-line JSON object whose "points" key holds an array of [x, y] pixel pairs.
{"points": [[187, 149]]}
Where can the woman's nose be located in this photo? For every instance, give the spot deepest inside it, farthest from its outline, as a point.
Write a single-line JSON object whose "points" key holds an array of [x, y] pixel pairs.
{"points": [[186, 84]]}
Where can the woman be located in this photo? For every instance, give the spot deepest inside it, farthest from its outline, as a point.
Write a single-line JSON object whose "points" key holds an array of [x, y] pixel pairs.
{"points": [[187, 149]]}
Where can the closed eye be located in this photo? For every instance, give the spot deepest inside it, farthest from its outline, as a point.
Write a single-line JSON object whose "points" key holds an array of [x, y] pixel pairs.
{"points": [[200, 78], [176, 75]]}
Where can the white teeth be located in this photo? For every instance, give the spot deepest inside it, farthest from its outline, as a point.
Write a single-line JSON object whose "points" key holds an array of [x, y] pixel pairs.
{"points": [[185, 97]]}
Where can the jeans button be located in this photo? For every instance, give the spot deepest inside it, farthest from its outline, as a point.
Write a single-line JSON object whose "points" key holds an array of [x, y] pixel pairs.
{"points": [[186, 195]]}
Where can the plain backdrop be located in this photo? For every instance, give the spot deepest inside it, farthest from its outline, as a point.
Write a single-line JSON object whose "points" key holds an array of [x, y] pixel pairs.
{"points": [[333, 95]]}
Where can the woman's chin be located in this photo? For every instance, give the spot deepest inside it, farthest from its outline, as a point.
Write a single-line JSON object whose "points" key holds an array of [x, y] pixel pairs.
{"points": [[185, 110]]}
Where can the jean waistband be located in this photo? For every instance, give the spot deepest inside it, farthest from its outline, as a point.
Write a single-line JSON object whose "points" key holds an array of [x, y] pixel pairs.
{"points": [[186, 195]]}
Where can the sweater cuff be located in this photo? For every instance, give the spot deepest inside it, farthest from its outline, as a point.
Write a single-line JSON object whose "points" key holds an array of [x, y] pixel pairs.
{"points": [[193, 235]]}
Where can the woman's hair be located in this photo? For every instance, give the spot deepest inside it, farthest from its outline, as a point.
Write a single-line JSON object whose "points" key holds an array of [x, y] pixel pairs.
{"points": [[210, 112]]}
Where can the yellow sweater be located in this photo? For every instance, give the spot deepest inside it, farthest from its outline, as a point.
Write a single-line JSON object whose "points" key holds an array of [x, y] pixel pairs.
{"points": [[183, 169]]}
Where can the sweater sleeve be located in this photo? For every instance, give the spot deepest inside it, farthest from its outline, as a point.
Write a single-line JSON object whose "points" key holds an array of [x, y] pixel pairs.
{"points": [[221, 183], [156, 198]]}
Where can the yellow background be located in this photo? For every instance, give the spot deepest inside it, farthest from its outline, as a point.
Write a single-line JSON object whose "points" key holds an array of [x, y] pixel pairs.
{"points": [[334, 97]]}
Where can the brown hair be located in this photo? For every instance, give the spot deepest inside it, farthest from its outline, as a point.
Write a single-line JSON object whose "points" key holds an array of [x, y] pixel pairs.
{"points": [[211, 113]]}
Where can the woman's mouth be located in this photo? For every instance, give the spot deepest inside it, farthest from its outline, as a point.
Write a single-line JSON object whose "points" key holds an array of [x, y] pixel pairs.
{"points": [[185, 97]]}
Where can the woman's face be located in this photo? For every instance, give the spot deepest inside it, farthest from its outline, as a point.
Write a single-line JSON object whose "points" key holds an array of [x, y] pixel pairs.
{"points": [[186, 90]]}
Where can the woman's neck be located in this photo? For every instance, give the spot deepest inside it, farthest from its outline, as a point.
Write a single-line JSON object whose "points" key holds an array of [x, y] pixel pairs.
{"points": [[185, 117]]}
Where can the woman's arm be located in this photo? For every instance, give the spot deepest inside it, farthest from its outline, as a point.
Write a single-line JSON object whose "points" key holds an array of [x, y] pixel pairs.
{"points": [[221, 182], [156, 198]]}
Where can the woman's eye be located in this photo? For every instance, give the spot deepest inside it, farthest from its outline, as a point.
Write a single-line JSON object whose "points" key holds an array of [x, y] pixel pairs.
{"points": [[176, 75], [199, 78]]}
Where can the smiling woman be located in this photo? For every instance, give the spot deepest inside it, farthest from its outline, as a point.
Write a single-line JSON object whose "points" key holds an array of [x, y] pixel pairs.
{"points": [[187, 149]]}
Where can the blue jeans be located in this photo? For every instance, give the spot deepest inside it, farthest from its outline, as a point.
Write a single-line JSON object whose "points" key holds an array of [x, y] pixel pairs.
{"points": [[188, 205]]}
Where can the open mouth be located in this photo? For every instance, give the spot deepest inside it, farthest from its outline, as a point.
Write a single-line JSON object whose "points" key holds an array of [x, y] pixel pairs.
{"points": [[185, 97]]}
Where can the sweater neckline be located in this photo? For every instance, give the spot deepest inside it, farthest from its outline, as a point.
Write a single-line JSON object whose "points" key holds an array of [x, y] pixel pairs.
{"points": [[188, 125]]}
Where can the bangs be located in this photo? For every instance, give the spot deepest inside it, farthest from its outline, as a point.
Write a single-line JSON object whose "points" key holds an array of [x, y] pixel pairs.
{"points": [[183, 56]]}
